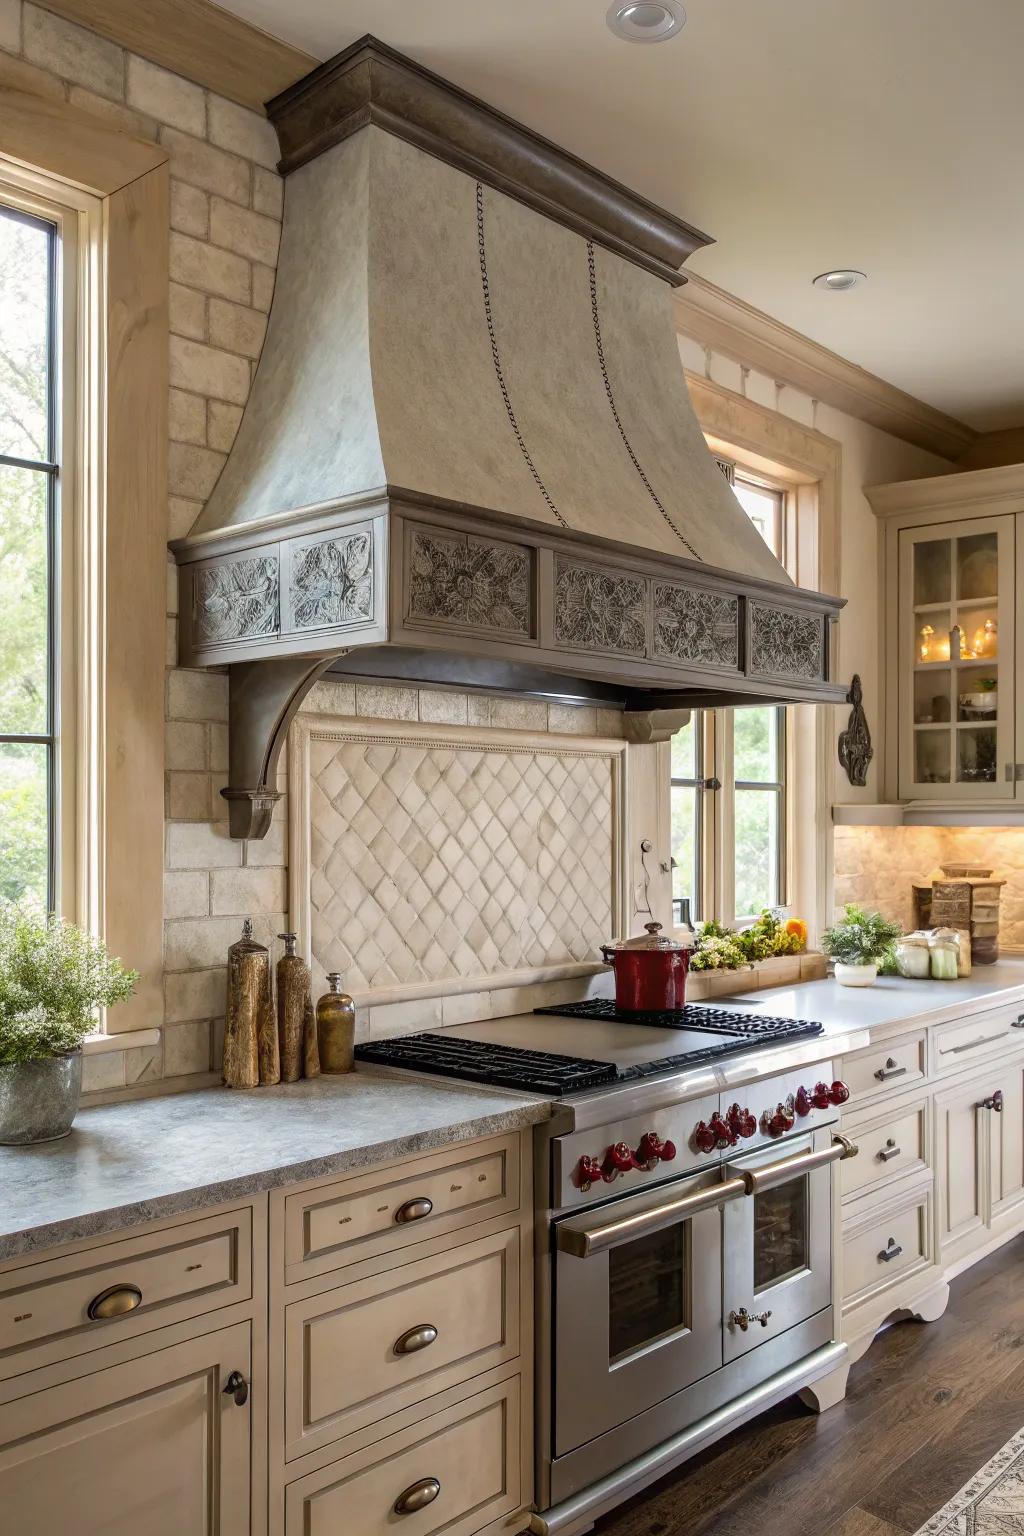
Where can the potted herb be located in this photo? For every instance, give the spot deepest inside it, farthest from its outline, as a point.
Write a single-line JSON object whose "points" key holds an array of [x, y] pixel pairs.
{"points": [[859, 943], [53, 978]]}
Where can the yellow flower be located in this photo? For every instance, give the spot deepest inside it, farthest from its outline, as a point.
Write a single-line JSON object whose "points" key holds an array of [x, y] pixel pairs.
{"points": [[797, 929]]}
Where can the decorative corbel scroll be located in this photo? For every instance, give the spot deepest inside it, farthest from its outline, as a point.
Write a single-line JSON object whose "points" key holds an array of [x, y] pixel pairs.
{"points": [[855, 749], [263, 701], [648, 725]]}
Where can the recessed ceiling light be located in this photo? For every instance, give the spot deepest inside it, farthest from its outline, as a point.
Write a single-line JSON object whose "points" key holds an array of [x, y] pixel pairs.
{"points": [[840, 280], [646, 21]]}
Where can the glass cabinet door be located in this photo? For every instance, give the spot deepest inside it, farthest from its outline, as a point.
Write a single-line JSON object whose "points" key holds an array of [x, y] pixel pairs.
{"points": [[956, 673]]}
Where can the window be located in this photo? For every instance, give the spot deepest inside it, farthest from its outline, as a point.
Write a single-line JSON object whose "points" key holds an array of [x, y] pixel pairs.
{"points": [[29, 556], [729, 782]]}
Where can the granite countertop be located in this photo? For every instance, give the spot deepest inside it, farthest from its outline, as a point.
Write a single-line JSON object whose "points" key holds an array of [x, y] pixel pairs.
{"points": [[894, 1001], [148, 1159]]}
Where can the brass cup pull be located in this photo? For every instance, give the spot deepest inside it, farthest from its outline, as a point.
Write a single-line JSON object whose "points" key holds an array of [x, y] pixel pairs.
{"points": [[892, 1250], [237, 1387], [743, 1319], [114, 1302], [414, 1210], [417, 1496], [890, 1070], [889, 1151], [415, 1339]]}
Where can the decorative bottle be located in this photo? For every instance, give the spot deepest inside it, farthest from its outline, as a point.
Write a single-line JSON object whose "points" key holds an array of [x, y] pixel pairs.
{"points": [[336, 1027], [293, 983], [248, 1013]]}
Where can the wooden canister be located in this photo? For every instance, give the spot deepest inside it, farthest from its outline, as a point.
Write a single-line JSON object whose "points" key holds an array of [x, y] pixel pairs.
{"points": [[293, 982], [336, 1027], [248, 1014]]}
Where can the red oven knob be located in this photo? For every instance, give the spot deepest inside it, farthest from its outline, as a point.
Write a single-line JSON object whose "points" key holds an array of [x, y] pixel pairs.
{"points": [[653, 1150], [618, 1159], [725, 1136], [820, 1097], [704, 1137], [588, 1171], [668, 1152], [802, 1102], [838, 1093], [741, 1121], [778, 1121]]}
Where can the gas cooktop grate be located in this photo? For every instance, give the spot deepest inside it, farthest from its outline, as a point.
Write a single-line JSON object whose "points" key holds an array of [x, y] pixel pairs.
{"points": [[478, 1061], [709, 1020]]}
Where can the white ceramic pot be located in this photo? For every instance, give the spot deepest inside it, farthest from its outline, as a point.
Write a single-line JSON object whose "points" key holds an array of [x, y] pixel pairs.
{"points": [[855, 975]]}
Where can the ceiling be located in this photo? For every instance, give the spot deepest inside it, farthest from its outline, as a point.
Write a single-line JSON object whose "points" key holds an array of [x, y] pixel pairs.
{"points": [[803, 134]]}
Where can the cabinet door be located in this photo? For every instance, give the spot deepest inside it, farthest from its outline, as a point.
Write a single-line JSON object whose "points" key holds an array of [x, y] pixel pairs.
{"points": [[150, 1448], [961, 1167], [1006, 1140], [956, 712]]}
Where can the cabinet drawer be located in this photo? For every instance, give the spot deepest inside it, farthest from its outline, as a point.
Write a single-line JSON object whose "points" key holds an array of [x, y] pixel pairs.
{"points": [[342, 1223], [881, 1251], [889, 1148], [961, 1044], [161, 1277], [467, 1458], [885, 1068], [363, 1351]]}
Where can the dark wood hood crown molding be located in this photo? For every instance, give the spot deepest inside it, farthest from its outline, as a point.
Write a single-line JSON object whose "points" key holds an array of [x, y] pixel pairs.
{"points": [[370, 83]]}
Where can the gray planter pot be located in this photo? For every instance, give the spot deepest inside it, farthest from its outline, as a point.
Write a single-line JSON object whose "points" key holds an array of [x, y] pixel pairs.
{"points": [[39, 1099]]}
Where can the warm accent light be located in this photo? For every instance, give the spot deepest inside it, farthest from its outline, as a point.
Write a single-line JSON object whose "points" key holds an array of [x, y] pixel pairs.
{"points": [[925, 650]]}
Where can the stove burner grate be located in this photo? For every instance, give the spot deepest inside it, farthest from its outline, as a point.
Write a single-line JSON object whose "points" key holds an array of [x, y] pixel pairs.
{"points": [[754, 1028], [502, 1066]]}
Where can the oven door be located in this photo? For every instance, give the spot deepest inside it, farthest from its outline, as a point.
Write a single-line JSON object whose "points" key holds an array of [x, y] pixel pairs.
{"points": [[637, 1306], [778, 1244]]}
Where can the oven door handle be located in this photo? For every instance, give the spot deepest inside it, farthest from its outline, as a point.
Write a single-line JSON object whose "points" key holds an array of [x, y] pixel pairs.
{"points": [[756, 1180], [582, 1237]]}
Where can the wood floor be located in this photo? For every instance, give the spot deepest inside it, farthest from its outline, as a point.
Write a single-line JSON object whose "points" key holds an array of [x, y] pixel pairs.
{"points": [[927, 1406]]}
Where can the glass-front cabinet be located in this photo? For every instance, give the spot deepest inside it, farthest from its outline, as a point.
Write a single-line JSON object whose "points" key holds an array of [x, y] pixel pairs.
{"points": [[956, 660]]}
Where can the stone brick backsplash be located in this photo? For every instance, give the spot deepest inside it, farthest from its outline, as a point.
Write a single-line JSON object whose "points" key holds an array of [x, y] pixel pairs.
{"points": [[876, 866]]}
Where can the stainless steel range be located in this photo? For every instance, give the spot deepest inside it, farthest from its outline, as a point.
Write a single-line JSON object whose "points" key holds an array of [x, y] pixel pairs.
{"points": [[684, 1191]]}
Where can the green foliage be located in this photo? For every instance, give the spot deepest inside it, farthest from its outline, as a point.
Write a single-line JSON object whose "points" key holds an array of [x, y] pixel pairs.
{"points": [[720, 949], [53, 977], [860, 937]]}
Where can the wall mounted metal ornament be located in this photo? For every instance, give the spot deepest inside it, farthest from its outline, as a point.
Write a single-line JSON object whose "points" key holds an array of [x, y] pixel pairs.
{"points": [[855, 749]]}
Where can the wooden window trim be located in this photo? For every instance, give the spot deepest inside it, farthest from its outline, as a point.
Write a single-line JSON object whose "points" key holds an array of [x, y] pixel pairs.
{"points": [[121, 479]]}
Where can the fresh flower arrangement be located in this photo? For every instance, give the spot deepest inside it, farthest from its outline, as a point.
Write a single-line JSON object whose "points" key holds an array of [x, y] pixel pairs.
{"points": [[721, 949], [861, 938], [53, 978]]}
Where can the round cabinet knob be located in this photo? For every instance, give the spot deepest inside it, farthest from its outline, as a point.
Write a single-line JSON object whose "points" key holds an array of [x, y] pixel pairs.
{"points": [[414, 1210], [704, 1137], [114, 1302], [802, 1102], [237, 1387], [838, 1093], [417, 1496]]}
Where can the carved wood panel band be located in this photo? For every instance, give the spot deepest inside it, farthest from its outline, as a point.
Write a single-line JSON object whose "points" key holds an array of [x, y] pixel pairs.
{"points": [[470, 582], [784, 642]]}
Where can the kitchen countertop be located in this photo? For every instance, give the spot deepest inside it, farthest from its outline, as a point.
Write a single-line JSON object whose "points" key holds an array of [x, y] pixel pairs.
{"points": [[893, 1001], [147, 1159]]}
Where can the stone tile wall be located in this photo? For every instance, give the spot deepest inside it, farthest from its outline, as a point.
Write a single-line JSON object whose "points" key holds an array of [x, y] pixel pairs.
{"points": [[876, 866]]}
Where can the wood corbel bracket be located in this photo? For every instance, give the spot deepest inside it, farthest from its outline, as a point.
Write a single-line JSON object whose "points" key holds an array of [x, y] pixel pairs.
{"points": [[642, 726], [264, 698]]}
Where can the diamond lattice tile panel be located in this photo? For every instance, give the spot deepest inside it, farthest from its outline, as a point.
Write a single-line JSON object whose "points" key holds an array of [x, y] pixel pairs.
{"points": [[435, 861]]}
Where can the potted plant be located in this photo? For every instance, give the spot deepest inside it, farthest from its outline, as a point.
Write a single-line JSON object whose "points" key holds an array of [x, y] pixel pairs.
{"points": [[53, 978], [858, 944]]}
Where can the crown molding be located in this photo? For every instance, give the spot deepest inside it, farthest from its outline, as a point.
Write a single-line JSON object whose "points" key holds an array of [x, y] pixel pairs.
{"points": [[1000, 488], [197, 40], [715, 319]]}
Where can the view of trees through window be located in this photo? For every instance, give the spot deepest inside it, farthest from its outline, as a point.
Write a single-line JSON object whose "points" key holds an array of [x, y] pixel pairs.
{"points": [[27, 539], [749, 811]]}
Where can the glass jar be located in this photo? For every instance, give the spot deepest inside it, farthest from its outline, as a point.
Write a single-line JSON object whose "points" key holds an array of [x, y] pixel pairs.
{"points": [[944, 954], [913, 958]]}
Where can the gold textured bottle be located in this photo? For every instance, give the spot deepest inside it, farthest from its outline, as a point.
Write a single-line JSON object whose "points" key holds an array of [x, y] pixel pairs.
{"points": [[249, 1013], [292, 990], [336, 1027]]}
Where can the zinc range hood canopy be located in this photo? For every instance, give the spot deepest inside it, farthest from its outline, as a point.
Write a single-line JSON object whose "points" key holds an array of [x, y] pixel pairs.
{"points": [[469, 457]]}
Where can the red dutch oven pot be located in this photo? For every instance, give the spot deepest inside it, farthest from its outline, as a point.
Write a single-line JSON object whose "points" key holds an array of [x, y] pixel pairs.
{"points": [[650, 971]]}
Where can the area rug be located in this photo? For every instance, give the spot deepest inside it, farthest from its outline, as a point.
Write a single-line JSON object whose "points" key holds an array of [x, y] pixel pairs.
{"points": [[991, 1504]]}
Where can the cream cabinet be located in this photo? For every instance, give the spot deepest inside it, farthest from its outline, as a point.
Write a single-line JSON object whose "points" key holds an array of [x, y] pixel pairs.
{"points": [[157, 1446], [953, 558], [938, 1115]]}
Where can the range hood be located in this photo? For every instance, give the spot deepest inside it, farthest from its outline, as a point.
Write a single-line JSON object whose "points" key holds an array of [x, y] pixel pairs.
{"points": [[469, 457]]}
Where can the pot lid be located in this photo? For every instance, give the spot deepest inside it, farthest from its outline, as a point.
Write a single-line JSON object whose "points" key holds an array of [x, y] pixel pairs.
{"points": [[651, 938]]}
